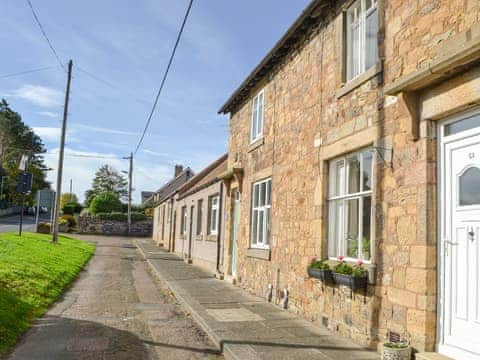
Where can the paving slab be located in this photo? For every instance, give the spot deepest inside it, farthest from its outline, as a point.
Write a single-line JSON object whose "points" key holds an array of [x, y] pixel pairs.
{"points": [[241, 325]]}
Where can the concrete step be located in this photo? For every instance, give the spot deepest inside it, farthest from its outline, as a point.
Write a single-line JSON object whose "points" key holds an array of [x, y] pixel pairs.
{"points": [[431, 356]]}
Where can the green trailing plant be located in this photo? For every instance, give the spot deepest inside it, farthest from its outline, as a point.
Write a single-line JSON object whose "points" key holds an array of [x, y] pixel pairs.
{"points": [[319, 264], [345, 269], [401, 345]]}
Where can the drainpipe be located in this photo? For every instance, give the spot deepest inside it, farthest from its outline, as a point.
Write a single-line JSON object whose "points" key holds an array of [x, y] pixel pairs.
{"points": [[219, 232]]}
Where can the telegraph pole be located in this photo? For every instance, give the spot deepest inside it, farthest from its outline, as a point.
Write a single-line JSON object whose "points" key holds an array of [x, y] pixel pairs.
{"points": [[58, 194], [130, 176]]}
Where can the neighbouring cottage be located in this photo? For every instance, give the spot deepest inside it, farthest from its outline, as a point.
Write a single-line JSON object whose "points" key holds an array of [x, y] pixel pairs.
{"points": [[358, 136], [199, 212], [165, 198]]}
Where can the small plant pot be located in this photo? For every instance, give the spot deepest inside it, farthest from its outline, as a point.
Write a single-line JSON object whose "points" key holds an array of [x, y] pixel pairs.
{"points": [[324, 275], [403, 353], [352, 282]]}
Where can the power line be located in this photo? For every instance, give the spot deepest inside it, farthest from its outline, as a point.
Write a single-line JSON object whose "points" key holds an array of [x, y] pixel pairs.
{"points": [[147, 125], [27, 72], [109, 84], [37, 20]]}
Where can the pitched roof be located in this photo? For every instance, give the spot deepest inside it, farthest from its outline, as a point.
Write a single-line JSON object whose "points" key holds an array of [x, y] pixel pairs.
{"points": [[304, 22], [205, 178], [170, 188]]}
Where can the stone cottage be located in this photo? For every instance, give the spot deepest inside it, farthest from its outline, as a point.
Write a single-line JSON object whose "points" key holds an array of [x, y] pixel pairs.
{"points": [[165, 198], [199, 212], [358, 135]]}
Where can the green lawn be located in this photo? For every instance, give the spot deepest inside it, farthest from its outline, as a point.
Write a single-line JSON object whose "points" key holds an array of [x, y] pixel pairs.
{"points": [[33, 274]]}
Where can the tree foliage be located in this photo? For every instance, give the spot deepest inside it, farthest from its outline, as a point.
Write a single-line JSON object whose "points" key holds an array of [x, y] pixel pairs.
{"points": [[106, 202], [68, 198], [17, 139], [107, 179]]}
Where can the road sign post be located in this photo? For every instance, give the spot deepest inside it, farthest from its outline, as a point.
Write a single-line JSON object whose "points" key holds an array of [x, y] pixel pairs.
{"points": [[24, 187]]}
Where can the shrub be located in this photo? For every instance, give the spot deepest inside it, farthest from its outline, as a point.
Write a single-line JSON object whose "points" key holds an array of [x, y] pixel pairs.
{"points": [[106, 202], [322, 265], [69, 219], [43, 228], [72, 208], [118, 216]]}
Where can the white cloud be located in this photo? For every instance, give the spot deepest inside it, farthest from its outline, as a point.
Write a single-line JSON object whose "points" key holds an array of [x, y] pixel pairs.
{"points": [[155, 153], [107, 130], [49, 114], [47, 133], [81, 169], [39, 95]]}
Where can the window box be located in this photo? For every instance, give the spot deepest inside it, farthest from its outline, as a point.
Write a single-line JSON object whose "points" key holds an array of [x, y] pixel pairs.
{"points": [[353, 282], [321, 274]]}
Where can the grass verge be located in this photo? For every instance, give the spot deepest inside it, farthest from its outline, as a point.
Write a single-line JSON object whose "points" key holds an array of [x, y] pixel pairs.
{"points": [[33, 274]]}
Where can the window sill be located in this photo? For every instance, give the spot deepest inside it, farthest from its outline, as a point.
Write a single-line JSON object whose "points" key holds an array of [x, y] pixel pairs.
{"points": [[263, 254], [212, 237], [371, 268], [359, 80], [256, 144], [199, 238]]}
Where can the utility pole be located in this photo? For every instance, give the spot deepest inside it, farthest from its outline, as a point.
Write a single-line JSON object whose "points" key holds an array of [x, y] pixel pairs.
{"points": [[58, 194], [130, 175]]}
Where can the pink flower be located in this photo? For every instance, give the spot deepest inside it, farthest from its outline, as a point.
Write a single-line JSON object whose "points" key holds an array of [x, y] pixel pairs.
{"points": [[359, 262], [314, 259], [340, 258]]}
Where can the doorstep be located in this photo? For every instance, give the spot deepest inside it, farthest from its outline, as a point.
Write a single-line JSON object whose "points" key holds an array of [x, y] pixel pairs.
{"points": [[243, 326], [431, 356]]}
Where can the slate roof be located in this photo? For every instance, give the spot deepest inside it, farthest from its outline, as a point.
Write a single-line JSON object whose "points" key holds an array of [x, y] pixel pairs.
{"points": [[170, 188], [204, 178], [306, 21]]}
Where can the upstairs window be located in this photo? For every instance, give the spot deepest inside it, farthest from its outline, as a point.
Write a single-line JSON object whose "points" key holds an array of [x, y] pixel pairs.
{"points": [[261, 205], [213, 203], [361, 37], [257, 117]]}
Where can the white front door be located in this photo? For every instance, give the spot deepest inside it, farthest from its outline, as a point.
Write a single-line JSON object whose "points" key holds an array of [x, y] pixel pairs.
{"points": [[460, 300]]}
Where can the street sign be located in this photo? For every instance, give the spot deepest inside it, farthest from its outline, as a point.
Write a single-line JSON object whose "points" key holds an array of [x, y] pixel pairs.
{"points": [[24, 183], [23, 163], [45, 198]]}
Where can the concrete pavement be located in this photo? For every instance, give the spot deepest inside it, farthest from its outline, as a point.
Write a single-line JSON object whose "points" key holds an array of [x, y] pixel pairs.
{"points": [[116, 310], [243, 326]]}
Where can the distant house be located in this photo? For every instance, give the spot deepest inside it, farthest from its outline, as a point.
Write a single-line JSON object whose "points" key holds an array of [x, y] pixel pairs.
{"points": [[164, 196], [146, 195], [198, 211]]}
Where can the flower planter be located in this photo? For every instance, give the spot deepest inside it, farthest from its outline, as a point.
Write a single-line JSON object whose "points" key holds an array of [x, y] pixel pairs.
{"points": [[389, 353], [352, 282], [324, 275]]}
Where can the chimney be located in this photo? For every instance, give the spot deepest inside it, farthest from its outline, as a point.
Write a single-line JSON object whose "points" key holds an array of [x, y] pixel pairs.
{"points": [[178, 169]]}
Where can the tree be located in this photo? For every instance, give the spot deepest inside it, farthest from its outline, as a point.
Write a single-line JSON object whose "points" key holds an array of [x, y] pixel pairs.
{"points": [[17, 139], [106, 202], [68, 198], [107, 179]]}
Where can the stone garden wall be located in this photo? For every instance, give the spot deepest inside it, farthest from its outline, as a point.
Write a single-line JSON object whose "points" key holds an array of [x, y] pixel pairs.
{"points": [[88, 225]]}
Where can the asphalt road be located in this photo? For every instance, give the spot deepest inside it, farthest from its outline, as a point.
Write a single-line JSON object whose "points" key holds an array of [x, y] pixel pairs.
{"points": [[116, 310], [10, 223]]}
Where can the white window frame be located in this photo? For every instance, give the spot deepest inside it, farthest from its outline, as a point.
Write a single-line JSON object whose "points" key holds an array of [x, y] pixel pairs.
{"points": [[360, 21], [256, 241], [337, 221], [213, 206], [199, 225], [258, 111]]}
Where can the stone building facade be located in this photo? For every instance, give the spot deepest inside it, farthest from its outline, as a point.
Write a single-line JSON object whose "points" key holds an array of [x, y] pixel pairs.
{"points": [[338, 147], [198, 211]]}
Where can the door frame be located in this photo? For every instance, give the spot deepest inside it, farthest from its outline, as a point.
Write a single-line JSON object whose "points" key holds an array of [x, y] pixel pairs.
{"points": [[235, 202], [441, 209]]}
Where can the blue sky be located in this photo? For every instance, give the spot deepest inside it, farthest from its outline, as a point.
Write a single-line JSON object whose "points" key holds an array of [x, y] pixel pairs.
{"points": [[128, 43]]}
